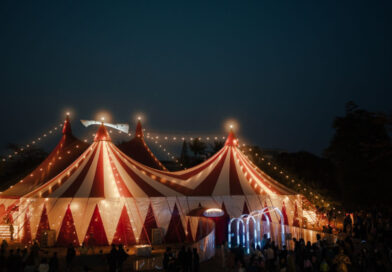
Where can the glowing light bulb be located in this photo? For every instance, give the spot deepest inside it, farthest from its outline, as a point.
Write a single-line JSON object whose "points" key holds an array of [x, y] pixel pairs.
{"points": [[102, 119], [68, 113], [139, 118]]}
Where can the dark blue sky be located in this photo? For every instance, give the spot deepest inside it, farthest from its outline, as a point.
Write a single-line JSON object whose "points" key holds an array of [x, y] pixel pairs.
{"points": [[284, 70]]}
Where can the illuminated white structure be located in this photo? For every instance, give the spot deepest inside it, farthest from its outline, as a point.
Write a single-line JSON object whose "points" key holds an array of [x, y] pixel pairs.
{"points": [[243, 232]]}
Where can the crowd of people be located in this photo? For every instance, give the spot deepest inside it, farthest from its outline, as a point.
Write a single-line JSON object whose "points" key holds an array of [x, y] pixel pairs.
{"points": [[186, 260], [35, 259], [364, 245], [26, 260]]}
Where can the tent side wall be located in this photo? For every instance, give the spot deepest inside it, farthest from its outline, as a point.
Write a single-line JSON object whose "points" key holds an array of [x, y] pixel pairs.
{"points": [[84, 209]]}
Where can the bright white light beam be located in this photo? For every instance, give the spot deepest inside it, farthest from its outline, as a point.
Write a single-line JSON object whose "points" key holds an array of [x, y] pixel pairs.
{"points": [[121, 127]]}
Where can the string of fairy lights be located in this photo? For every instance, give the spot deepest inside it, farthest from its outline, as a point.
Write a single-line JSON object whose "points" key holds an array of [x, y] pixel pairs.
{"points": [[160, 142], [32, 143], [245, 148]]}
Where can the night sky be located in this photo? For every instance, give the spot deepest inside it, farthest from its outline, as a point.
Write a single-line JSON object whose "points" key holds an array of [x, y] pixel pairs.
{"points": [[282, 70]]}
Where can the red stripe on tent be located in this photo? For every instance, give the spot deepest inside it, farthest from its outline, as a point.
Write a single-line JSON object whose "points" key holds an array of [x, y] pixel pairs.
{"points": [[124, 233], [98, 187], [207, 186], [71, 191], [149, 190], [183, 174], [296, 219], [62, 176], [43, 224], [67, 233], [168, 183], [26, 238], [194, 170], [96, 235], [149, 224], [284, 213], [235, 186], [175, 231]]}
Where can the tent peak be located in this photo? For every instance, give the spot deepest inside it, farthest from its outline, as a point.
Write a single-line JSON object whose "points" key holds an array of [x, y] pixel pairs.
{"points": [[102, 134], [231, 139], [139, 130], [67, 126]]}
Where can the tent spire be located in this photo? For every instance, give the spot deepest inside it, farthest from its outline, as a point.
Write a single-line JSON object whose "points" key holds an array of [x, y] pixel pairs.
{"points": [[67, 126], [139, 130], [231, 139], [102, 134]]}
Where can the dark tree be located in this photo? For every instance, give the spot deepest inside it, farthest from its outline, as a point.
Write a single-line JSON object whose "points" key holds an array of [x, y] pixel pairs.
{"points": [[315, 171], [184, 157], [20, 165], [361, 151], [198, 147], [216, 146]]}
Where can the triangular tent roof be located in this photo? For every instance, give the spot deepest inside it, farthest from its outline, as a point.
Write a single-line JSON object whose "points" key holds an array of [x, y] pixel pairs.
{"points": [[67, 150], [104, 171], [137, 149]]}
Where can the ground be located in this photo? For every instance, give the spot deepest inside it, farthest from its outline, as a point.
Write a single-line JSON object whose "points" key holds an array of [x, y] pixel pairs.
{"points": [[97, 261]]}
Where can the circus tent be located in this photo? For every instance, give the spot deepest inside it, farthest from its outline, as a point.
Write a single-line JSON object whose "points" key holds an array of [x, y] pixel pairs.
{"points": [[137, 149], [111, 197]]}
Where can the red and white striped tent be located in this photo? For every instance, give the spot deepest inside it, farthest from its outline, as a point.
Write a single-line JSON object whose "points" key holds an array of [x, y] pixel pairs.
{"points": [[137, 149], [112, 198]]}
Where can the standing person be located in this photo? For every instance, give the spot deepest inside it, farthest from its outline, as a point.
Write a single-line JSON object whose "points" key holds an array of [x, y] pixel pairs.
{"points": [[341, 260], [4, 246], [182, 258], [196, 260], [166, 258], [11, 265], [71, 253], [121, 257], [112, 259], [347, 223], [35, 251], [18, 261], [188, 260], [43, 266], [53, 263], [223, 254], [12, 232], [270, 255]]}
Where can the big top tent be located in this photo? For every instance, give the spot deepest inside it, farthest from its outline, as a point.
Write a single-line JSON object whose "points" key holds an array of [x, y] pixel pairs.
{"points": [[109, 196]]}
